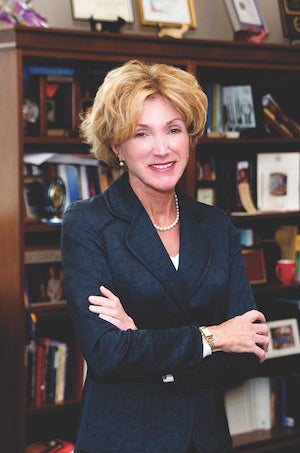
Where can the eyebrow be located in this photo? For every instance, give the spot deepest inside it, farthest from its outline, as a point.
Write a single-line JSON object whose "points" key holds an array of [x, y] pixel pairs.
{"points": [[167, 123]]}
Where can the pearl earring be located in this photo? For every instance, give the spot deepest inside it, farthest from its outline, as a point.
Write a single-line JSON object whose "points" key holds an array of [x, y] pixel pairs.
{"points": [[121, 163]]}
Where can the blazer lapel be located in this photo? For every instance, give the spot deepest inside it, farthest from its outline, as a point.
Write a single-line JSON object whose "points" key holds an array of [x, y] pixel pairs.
{"points": [[195, 251], [144, 242]]}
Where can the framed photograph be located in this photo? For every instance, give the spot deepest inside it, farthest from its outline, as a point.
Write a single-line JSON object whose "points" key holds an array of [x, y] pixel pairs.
{"points": [[167, 13], [284, 338], [278, 181], [106, 10], [44, 276], [255, 265], [239, 106], [58, 105], [206, 195], [34, 200]]}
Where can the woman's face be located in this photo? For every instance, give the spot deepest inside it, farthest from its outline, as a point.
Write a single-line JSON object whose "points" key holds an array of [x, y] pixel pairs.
{"points": [[157, 154]]}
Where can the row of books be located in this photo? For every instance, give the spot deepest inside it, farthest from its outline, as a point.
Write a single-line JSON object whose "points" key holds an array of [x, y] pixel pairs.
{"points": [[81, 176], [55, 371], [263, 403], [46, 371], [206, 170]]}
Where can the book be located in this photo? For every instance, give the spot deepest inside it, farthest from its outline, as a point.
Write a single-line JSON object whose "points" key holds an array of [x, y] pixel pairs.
{"points": [[245, 16], [248, 406], [277, 121], [290, 407], [278, 181], [61, 372]]}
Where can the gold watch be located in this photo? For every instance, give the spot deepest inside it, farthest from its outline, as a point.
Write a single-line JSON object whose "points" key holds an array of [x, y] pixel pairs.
{"points": [[206, 333]]}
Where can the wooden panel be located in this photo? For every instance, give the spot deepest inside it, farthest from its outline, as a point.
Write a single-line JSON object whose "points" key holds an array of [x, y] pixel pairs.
{"points": [[11, 269]]}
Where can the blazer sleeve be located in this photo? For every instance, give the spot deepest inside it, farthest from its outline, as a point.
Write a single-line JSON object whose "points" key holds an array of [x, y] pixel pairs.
{"points": [[226, 369]]}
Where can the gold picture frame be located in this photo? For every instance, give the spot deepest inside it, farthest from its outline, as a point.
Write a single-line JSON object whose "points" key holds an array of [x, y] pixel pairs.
{"points": [[167, 13]]}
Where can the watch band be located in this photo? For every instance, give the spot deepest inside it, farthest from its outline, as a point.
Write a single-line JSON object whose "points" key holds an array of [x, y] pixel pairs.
{"points": [[206, 333]]}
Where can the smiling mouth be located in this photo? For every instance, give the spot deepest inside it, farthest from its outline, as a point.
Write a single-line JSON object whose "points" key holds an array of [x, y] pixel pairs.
{"points": [[162, 166]]}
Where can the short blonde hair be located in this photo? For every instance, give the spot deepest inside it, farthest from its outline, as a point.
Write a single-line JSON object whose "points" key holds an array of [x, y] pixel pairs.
{"points": [[119, 100]]}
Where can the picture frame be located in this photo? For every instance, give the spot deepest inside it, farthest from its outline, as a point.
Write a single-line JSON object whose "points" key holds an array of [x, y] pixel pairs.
{"points": [[105, 10], [167, 13], [207, 195], [255, 265], [33, 196], [278, 181], [44, 276], [284, 338], [245, 16], [290, 18]]}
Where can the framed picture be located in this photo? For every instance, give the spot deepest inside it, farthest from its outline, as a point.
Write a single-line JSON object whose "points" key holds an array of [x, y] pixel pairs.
{"points": [[106, 10], [239, 106], [245, 16], [290, 18], [284, 338], [44, 276], [34, 200], [255, 265], [206, 195], [167, 12], [278, 181]]}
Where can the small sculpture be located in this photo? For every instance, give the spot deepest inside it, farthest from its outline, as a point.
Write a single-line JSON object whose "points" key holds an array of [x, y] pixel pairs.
{"points": [[104, 25]]}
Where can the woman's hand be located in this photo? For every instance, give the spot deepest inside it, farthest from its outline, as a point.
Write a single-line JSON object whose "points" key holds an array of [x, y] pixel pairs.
{"points": [[109, 308], [244, 333]]}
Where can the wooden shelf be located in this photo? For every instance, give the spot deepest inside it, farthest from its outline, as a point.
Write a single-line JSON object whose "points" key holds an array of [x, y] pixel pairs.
{"points": [[263, 441]]}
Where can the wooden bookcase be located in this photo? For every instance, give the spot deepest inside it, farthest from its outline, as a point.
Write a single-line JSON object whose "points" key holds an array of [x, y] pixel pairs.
{"points": [[268, 68]]}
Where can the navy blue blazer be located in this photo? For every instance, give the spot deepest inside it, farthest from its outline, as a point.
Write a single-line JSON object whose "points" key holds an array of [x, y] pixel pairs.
{"points": [[110, 240]]}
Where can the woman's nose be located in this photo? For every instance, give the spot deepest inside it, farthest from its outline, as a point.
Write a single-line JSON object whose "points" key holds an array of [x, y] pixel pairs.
{"points": [[160, 145]]}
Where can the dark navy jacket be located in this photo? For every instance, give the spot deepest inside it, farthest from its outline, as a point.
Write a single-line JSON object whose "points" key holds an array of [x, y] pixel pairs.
{"points": [[109, 240]]}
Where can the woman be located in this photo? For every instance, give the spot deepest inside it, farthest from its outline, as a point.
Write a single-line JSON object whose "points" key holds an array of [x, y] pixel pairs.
{"points": [[146, 269]]}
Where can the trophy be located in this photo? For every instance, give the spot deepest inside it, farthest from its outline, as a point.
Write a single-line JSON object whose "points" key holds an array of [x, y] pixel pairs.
{"points": [[56, 196]]}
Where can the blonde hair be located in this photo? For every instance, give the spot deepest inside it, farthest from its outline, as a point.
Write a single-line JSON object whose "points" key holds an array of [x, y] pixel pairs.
{"points": [[120, 98]]}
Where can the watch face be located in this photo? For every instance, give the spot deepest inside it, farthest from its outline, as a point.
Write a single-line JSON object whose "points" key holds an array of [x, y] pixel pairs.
{"points": [[206, 195]]}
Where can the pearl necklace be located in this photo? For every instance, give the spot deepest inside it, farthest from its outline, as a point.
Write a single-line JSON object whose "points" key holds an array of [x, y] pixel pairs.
{"points": [[169, 227]]}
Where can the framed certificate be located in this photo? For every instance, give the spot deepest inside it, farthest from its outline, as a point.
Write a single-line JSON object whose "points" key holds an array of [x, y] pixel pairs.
{"points": [[106, 10], [167, 13]]}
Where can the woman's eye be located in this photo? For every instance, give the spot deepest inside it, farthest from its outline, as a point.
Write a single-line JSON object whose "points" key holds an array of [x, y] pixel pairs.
{"points": [[140, 134], [175, 130]]}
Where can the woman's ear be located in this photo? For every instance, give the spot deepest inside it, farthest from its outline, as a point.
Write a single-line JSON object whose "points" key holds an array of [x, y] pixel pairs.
{"points": [[117, 151]]}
